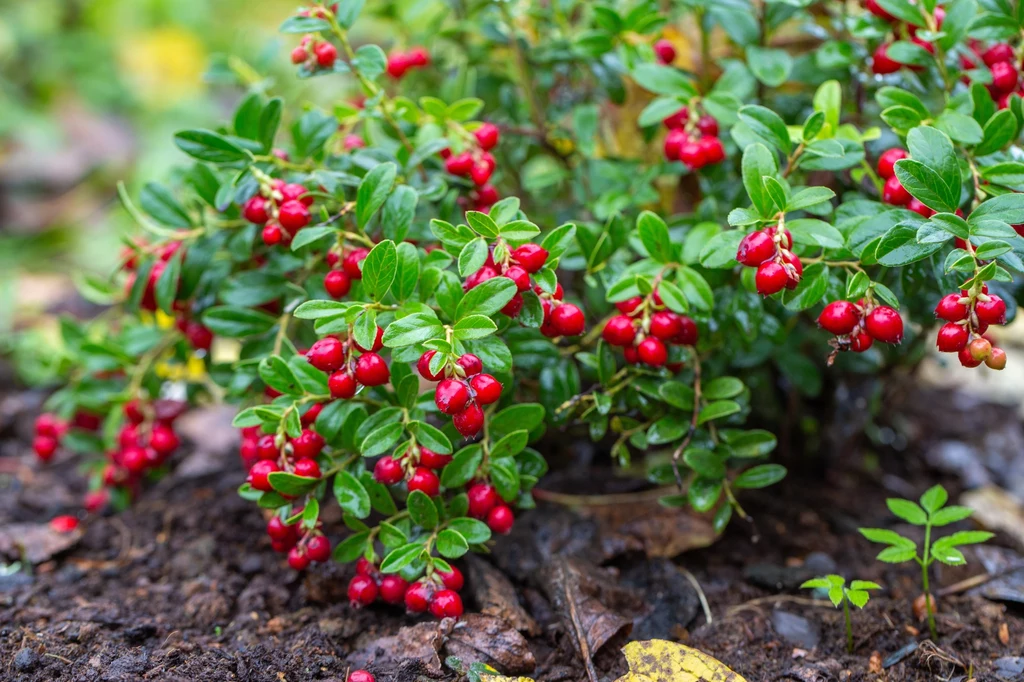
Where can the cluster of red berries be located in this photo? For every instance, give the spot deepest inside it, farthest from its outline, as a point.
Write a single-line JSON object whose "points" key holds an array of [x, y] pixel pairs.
{"points": [[644, 330], [417, 466], [477, 164], [560, 319], [49, 431], [439, 593], [693, 140], [315, 54], [338, 280], [348, 372], [462, 390], [967, 319], [302, 548], [894, 193], [881, 62], [265, 454], [768, 250], [1001, 62], [486, 505], [399, 61], [283, 210], [858, 325]]}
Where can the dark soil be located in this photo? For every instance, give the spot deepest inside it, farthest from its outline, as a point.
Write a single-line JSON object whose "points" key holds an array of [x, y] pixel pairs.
{"points": [[184, 587]]}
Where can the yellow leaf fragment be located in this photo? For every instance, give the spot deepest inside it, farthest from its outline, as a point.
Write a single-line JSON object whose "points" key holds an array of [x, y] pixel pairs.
{"points": [[657, 660]]}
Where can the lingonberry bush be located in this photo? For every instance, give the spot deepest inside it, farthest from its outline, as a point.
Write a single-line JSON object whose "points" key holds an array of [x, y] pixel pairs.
{"points": [[538, 216]]}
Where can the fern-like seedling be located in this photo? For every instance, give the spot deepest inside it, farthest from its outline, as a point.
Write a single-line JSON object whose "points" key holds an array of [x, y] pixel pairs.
{"points": [[930, 513]]}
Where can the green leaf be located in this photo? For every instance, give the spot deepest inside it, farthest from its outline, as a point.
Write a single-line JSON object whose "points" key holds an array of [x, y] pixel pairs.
{"points": [[511, 444], [526, 416], [270, 120], [888, 537], [463, 467], [505, 478], [951, 514], [474, 327], [487, 298], [899, 247], [749, 443], [771, 66], [654, 234], [482, 223], [430, 437], [722, 388], [703, 493], [472, 256], [758, 162], [399, 558], [168, 283], [704, 462], [815, 233], [351, 495], [807, 197], [373, 192], [381, 439], [413, 329], [664, 80], [717, 410], [276, 373], [1007, 208], [451, 544], [904, 10], [964, 537], [658, 110], [519, 231], [767, 125], [476, 532], [927, 186], [810, 290], [959, 127], [207, 145], [421, 509], [234, 322], [760, 476], [934, 149], [290, 484], [379, 269], [999, 131], [934, 498], [896, 555], [908, 511], [347, 11]]}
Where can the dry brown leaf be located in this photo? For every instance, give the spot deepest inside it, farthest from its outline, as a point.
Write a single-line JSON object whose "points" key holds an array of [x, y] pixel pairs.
{"points": [[997, 509], [659, 661], [35, 542]]}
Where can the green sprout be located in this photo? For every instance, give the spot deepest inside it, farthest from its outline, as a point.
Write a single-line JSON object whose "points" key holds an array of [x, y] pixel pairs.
{"points": [[856, 593], [930, 513]]}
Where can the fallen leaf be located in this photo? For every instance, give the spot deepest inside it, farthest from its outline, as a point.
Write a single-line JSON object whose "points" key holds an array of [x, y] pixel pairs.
{"points": [[35, 542], [656, 660], [875, 662], [997, 509], [496, 596], [664, 532], [486, 639]]}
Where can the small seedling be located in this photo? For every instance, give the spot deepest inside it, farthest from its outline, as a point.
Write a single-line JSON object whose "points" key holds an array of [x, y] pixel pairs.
{"points": [[840, 593], [930, 513]]}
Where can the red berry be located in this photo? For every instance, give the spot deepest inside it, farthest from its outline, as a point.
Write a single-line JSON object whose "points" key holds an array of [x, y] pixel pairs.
{"points": [[629, 305], [881, 63], [469, 421], [423, 366], [446, 604], [372, 370], [665, 51], [482, 499], [677, 120], [470, 363], [342, 385], [531, 256], [307, 467], [47, 424], [392, 589], [337, 283], [708, 125], [327, 354], [568, 320], [325, 55], [895, 193], [1004, 77], [296, 192], [352, 263], [480, 276], [486, 196], [876, 9], [378, 342], [674, 141], [711, 150], [163, 439], [453, 580], [756, 248], [665, 325], [277, 529], [255, 210], [488, 389], [771, 278], [424, 480], [487, 135], [266, 447], [398, 64], [199, 336], [272, 234], [692, 154], [451, 396], [887, 161], [951, 309], [996, 359], [968, 360], [884, 324], [500, 519], [318, 548], [652, 352], [919, 208], [353, 141], [298, 559], [520, 276], [417, 597], [362, 675], [433, 460], [66, 524], [299, 55], [362, 591], [135, 459], [619, 331], [481, 173], [259, 474], [992, 311], [688, 332], [44, 447], [952, 337], [459, 164], [293, 215], [1000, 52], [388, 470], [839, 317], [364, 567]]}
